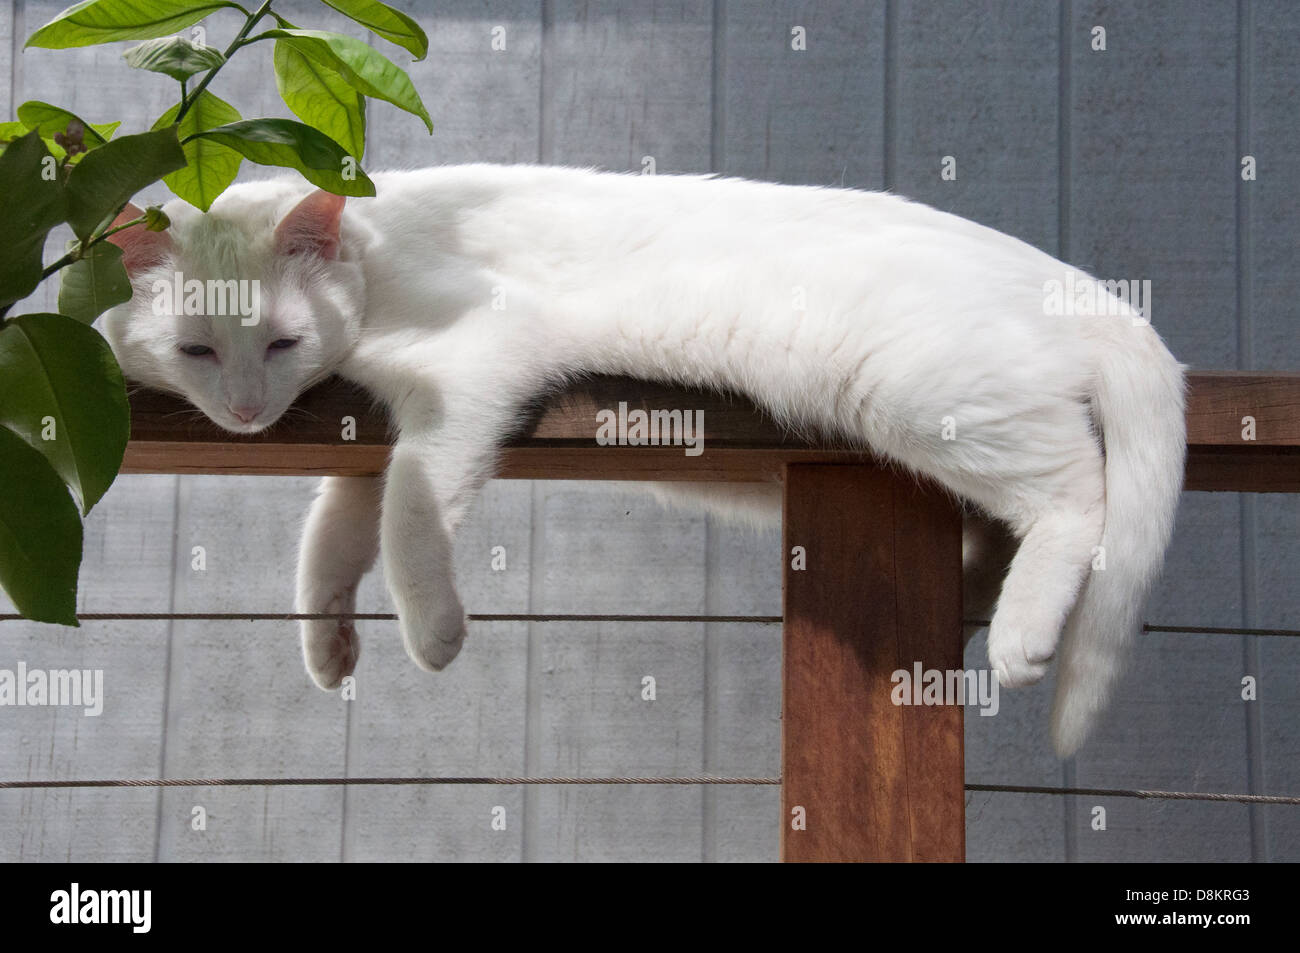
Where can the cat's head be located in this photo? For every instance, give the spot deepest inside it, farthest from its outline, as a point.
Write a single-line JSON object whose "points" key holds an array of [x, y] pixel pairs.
{"points": [[242, 309]]}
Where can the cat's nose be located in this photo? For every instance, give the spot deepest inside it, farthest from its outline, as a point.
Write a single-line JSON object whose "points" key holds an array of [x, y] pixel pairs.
{"points": [[246, 414]]}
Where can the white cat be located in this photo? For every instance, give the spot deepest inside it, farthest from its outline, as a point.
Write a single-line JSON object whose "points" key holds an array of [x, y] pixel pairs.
{"points": [[459, 294]]}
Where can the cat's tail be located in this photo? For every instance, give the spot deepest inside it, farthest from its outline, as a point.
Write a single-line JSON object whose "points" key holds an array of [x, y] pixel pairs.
{"points": [[1138, 401]]}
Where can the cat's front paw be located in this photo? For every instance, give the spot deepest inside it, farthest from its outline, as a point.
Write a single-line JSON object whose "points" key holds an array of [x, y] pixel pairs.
{"points": [[433, 639], [330, 647], [1016, 658]]}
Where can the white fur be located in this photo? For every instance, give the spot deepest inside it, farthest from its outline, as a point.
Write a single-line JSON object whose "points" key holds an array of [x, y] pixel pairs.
{"points": [[912, 316]]}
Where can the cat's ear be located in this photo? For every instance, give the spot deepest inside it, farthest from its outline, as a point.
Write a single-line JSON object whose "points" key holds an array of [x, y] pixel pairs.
{"points": [[141, 248], [312, 228]]}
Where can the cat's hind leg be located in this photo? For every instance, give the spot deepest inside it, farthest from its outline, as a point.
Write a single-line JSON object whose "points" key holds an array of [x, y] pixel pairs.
{"points": [[1058, 546], [339, 544]]}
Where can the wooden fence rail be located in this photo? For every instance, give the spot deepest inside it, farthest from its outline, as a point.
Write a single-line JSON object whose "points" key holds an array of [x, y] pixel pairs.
{"points": [[877, 586], [740, 443]]}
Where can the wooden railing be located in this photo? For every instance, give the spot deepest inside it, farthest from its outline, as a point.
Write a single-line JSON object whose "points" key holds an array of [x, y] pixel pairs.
{"points": [[862, 779]]}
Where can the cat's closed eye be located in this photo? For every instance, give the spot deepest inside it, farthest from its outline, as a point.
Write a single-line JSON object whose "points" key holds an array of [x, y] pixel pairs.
{"points": [[281, 344], [196, 350]]}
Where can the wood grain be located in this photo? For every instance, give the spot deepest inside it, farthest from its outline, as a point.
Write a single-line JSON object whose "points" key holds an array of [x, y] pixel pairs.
{"points": [[557, 440], [881, 591]]}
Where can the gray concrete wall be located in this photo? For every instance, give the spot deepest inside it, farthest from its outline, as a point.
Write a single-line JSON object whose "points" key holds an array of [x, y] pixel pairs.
{"points": [[1123, 161]]}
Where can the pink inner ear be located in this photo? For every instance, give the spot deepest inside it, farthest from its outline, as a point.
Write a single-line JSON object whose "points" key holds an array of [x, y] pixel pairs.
{"points": [[312, 227], [141, 248]]}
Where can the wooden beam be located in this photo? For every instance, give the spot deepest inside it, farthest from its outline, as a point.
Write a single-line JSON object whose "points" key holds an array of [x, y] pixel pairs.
{"points": [[864, 779], [1219, 401], [740, 442], [1255, 470]]}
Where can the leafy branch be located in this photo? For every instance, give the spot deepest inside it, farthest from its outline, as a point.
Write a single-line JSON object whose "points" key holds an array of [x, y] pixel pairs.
{"points": [[64, 417], [250, 21]]}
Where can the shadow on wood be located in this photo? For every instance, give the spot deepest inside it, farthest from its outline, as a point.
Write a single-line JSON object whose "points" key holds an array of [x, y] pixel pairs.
{"points": [[878, 590], [557, 440]]}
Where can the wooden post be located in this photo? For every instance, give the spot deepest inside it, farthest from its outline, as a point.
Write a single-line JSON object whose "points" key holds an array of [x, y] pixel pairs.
{"points": [[880, 591]]}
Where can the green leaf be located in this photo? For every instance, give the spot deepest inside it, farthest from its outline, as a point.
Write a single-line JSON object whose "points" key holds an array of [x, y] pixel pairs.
{"points": [[40, 535], [212, 166], [321, 98], [61, 154], [108, 177], [49, 120], [32, 202], [89, 287], [9, 131], [291, 145], [103, 21], [62, 391], [393, 25], [104, 130], [363, 67], [174, 55], [54, 120]]}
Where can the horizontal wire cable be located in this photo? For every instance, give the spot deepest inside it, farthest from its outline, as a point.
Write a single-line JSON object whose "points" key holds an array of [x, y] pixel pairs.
{"points": [[1211, 630], [754, 781], [1180, 629], [1147, 795], [553, 617], [354, 782], [392, 617]]}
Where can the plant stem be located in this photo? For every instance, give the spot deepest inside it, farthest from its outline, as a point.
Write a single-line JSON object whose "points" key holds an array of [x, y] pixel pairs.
{"points": [[113, 231], [264, 35], [79, 250], [64, 262], [247, 28]]}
